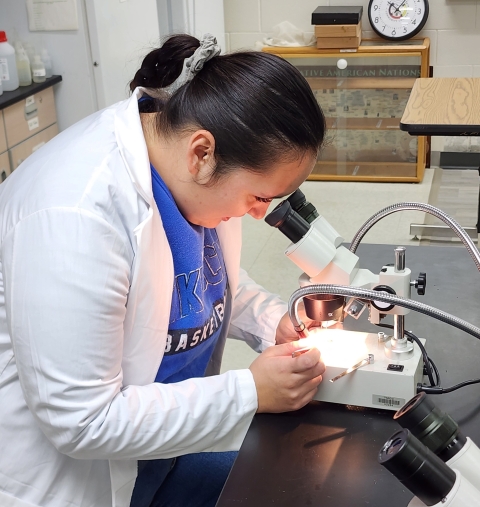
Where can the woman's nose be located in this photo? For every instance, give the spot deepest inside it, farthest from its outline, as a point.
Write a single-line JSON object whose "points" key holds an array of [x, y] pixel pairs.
{"points": [[258, 210]]}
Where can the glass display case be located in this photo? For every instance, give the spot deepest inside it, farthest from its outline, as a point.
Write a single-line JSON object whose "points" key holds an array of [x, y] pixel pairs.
{"points": [[363, 94]]}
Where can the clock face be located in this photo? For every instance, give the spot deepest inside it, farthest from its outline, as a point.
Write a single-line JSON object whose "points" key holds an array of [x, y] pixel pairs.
{"points": [[397, 19]]}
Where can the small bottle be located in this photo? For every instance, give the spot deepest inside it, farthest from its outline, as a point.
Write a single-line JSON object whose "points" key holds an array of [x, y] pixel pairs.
{"points": [[47, 61], [30, 50], [8, 66], [1, 87], [23, 65], [38, 70]]}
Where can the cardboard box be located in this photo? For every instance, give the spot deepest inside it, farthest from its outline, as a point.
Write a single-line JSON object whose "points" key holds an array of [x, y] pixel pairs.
{"points": [[338, 42], [338, 30]]}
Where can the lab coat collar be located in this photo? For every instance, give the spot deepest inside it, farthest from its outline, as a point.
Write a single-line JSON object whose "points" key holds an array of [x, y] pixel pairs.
{"points": [[132, 145]]}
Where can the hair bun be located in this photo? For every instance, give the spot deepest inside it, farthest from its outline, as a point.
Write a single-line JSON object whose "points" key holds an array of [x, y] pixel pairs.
{"points": [[162, 66]]}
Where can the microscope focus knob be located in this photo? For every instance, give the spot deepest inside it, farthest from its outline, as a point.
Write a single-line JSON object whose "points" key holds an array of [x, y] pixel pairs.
{"points": [[421, 284]]}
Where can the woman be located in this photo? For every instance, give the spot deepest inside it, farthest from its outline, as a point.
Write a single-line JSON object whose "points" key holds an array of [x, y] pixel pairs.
{"points": [[102, 364]]}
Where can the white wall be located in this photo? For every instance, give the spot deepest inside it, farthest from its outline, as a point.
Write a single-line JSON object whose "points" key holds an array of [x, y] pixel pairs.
{"points": [[195, 17], [121, 34], [453, 27], [75, 96]]}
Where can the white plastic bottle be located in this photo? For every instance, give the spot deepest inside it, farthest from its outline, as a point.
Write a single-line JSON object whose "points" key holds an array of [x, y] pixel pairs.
{"points": [[1, 87], [23, 65], [38, 70], [47, 61], [8, 66]]}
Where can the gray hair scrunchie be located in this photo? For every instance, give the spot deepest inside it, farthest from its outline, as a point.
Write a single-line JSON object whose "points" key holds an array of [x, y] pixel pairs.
{"points": [[207, 50]]}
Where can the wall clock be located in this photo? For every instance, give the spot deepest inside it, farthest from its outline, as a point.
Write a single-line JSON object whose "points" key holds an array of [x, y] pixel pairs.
{"points": [[397, 19]]}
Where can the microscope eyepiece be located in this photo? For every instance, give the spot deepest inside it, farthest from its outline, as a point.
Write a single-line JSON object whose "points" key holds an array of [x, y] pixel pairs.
{"points": [[435, 429], [417, 468], [290, 223], [304, 208]]}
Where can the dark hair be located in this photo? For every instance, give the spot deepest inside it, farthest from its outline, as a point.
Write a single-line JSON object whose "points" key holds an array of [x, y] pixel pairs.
{"points": [[258, 107]]}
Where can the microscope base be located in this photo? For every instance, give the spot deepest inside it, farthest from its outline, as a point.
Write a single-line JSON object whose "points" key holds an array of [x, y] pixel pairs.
{"points": [[387, 383]]}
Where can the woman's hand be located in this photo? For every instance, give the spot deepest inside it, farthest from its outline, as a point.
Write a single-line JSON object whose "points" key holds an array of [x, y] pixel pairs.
{"points": [[285, 331], [285, 383]]}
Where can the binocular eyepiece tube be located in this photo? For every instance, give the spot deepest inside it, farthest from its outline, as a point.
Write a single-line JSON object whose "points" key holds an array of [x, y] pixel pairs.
{"points": [[441, 434], [417, 467], [431, 456], [293, 216], [435, 429], [288, 221]]}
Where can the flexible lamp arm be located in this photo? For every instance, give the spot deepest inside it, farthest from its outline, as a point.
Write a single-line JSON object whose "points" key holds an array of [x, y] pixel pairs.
{"points": [[426, 208], [370, 295]]}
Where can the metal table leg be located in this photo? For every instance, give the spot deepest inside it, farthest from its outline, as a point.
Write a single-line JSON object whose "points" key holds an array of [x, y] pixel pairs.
{"points": [[442, 231], [478, 211]]}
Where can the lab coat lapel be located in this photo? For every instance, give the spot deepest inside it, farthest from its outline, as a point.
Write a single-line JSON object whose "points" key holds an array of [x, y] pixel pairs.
{"points": [[150, 296], [149, 299]]}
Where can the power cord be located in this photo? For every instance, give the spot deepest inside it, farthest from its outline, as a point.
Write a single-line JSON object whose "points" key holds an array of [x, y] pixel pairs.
{"points": [[434, 387], [429, 364]]}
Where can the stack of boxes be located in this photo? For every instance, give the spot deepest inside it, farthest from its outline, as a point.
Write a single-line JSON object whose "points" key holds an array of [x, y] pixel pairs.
{"points": [[338, 27]]}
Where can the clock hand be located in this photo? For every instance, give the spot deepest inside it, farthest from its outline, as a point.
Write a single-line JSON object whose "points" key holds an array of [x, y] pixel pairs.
{"points": [[393, 7]]}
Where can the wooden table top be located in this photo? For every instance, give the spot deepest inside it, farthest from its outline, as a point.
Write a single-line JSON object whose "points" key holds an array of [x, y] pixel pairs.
{"points": [[443, 106]]}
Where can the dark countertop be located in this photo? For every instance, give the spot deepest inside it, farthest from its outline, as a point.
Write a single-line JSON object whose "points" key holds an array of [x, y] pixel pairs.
{"points": [[21, 93], [326, 454]]}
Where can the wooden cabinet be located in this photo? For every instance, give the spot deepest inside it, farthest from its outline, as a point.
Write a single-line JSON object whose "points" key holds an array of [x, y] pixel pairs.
{"points": [[20, 152], [29, 116], [3, 139], [363, 104], [5, 168], [28, 120]]}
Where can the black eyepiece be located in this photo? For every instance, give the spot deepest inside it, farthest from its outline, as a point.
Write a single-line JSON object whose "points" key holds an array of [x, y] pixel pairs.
{"points": [[284, 218], [304, 208], [435, 429], [417, 468]]}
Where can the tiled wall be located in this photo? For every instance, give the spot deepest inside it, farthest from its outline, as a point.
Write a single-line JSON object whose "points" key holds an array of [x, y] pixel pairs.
{"points": [[453, 27]]}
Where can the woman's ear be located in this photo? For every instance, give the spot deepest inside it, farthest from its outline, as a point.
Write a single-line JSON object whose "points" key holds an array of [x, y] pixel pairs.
{"points": [[201, 155]]}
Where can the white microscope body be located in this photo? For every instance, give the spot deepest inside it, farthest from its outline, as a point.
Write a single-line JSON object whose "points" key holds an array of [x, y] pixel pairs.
{"points": [[429, 456], [397, 367]]}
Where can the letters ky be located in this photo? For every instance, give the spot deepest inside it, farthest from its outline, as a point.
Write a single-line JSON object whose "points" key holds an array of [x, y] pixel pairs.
{"points": [[191, 290]]}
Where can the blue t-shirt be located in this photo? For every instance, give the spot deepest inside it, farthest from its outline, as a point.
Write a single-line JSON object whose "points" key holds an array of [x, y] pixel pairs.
{"points": [[199, 291]]}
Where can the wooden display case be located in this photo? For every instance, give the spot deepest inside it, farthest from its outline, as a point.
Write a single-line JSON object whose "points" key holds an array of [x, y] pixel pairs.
{"points": [[363, 104]]}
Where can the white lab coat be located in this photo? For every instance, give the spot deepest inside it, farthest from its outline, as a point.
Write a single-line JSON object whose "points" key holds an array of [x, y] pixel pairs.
{"points": [[85, 295]]}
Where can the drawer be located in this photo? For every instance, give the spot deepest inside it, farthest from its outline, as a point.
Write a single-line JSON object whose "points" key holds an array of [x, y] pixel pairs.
{"points": [[3, 139], [4, 166], [23, 150], [29, 116]]}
